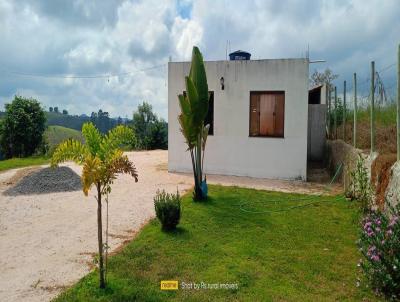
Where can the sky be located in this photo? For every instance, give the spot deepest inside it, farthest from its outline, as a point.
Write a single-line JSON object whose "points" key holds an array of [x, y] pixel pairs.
{"points": [[83, 55]]}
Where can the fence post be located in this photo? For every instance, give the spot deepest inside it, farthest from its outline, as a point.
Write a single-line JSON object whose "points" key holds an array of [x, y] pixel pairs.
{"points": [[355, 110], [372, 94], [344, 111], [335, 114], [398, 104], [328, 104]]}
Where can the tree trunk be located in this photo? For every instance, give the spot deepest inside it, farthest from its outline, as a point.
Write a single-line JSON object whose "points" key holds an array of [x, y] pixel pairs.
{"points": [[100, 237]]}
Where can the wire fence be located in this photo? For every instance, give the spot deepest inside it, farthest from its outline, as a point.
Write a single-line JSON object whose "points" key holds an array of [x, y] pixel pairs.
{"points": [[368, 121]]}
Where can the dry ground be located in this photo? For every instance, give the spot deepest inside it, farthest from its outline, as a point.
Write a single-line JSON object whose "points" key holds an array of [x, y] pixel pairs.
{"points": [[47, 241]]}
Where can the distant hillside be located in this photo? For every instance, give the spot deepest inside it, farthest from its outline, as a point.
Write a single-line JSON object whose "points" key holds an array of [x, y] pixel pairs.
{"points": [[65, 120], [101, 119], [57, 134]]}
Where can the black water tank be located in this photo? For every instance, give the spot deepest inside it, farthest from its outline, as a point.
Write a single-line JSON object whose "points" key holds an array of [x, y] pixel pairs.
{"points": [[239, 55]]}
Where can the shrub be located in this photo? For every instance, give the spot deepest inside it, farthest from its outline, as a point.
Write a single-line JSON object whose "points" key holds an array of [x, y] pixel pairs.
{"points": [[168, 209], [360, 185], [380, 245]]}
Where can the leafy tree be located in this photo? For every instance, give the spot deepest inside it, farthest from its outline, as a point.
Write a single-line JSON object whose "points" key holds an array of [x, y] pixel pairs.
{"points": [[50, 109], [152, 132], [320, 78], [65, 112], [159, 135], [102, 160], [194, 108], [56, 110], [22, 128]]}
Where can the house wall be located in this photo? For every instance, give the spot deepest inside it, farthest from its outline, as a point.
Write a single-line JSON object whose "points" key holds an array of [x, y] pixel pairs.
{"points": [[230, 150]]}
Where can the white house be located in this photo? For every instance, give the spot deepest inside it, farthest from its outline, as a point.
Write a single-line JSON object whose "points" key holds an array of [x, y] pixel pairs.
{"points": [[258, 115]]}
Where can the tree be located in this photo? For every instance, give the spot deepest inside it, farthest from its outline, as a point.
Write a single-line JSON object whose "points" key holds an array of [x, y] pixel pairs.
{"points": [[65, 112], [102, 160], [22, 128], [159, 135], [143, 122], [56, 110], [50, 109], [320, 78], [194, 108]]}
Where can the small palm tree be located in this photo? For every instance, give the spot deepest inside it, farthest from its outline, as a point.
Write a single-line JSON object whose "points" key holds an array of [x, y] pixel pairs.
{"points": [[102, 160]]}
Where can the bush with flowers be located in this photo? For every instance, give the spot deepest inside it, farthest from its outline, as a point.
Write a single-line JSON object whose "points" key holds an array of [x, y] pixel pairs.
{"points": [[380, 246]]}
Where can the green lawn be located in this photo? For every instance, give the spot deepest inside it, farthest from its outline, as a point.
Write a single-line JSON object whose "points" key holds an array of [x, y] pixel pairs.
{"points": [[304, 254], [23, 162]]}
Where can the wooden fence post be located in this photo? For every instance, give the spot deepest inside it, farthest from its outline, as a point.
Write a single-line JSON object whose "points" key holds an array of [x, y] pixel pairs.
{"points": [[372, 105], [335, 114], [355, 110], [398, 104], [344, 111]]}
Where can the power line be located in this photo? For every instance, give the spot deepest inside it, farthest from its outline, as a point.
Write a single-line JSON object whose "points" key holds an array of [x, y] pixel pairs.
{"points": [[94, 76]]}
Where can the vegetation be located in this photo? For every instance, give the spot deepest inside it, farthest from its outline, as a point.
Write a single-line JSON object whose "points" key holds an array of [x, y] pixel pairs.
{"points": [[13, 163], [22, 127], [102, 160], [168, 209], [55, 135], [380, 246], [320, 78], [360, 185], [306, 254], [151, 131], [194, 108], [100, 119]]}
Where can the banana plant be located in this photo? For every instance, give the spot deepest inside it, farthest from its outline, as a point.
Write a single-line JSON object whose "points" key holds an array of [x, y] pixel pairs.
{"points": [[102, 160], [194, 109]]}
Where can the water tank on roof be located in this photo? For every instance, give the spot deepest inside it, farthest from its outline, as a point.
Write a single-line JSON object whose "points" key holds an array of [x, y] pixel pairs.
{"points": [[239, 55]]}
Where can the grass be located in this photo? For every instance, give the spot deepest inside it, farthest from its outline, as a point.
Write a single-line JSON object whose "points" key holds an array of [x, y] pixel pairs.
{"points": [[306, 254], [23, 162], [57, 134]]}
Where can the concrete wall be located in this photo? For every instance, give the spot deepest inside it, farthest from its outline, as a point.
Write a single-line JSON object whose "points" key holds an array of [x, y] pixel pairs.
{"points": [[339, 152], [230, 150], [316, 131]]}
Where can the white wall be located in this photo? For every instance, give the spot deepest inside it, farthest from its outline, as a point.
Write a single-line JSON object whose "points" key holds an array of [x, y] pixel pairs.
{"points": [[230, 150]]}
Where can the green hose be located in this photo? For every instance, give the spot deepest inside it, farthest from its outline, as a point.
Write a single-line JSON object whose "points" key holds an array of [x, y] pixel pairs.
{"points": [[313, 199]]}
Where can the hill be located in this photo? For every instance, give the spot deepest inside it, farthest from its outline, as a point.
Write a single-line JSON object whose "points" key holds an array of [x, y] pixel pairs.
{"points": [[57, 134]]}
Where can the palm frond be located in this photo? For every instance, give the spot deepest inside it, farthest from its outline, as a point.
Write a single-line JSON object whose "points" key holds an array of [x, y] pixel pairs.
{"points": [[115, 138], [70, 150], [118, 164], [91, 173], [92, 137]]}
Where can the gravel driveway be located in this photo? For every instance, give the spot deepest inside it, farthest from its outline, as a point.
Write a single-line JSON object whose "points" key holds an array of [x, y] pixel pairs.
{"points": [[47, 240]]}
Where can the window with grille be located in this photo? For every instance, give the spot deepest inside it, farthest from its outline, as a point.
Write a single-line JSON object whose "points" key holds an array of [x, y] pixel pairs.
{"points": [[267, 113]]}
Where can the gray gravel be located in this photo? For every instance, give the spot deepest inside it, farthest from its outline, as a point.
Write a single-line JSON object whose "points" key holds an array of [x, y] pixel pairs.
{"points": [[47, 180]]}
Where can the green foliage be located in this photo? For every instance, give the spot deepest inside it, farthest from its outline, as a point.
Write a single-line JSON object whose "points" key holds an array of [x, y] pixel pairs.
{"points": [[384, 115], [100, 119], [306, 254], [54, 135], [102, 160], [360, 185], [151, 131], [168, 209], [194, 108], [22, 127], [380, 245], [339, 114]]}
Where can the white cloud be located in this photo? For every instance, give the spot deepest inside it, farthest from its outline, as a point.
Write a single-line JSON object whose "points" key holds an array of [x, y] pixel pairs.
{"points": [[91, 37]]}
